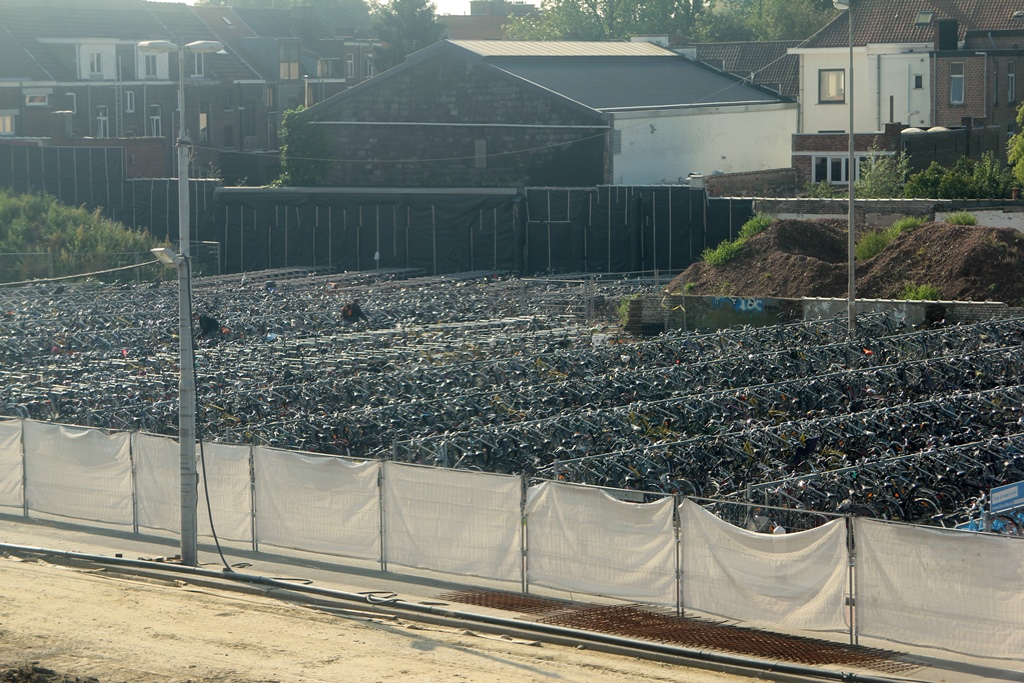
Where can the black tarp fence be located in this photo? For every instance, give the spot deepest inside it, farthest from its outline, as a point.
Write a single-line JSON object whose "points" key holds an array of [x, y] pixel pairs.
{"points": [[94, 178], [348, 230], [531, 231]]}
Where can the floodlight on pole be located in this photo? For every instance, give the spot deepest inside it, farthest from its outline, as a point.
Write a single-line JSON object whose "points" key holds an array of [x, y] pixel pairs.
{"points": [[851, 290], [187, 382]]}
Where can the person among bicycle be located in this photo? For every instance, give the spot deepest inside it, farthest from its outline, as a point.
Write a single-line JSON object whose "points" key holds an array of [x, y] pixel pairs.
{"points": [[209, 327], [352, 313]]}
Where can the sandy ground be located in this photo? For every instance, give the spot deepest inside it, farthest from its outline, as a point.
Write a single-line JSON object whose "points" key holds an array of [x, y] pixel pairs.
{"points": [[81, 622]]}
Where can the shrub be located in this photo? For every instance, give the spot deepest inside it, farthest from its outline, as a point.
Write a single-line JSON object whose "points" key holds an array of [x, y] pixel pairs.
{"points": [[872, 243], [912, 292], [823, 190], [623, 309], [962, 218], [728, 250], [882, 176]]}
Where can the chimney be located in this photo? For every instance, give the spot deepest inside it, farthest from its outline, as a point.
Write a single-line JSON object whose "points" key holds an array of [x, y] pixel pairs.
{"points": [[946, 31]]}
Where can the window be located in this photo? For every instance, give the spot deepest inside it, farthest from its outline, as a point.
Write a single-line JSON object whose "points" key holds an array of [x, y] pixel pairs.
{"points": [[129, 101], [288, 52], [918, 81], [995, 82], [72, 102], [156, 129], [198, 64], [271, 96], [6, 124], [229, 99], [616, 142], [956, 83], [480, 153], [37, 100], [369, 66], [95, 63], [250, 118], [1011, 81], [204, 122], [229, 136], [102, 122], [831, 86], [833, 169], [350, 65], [150, 66]]}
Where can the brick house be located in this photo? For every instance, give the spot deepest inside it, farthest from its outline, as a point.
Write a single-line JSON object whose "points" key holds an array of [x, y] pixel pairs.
{"points": [[511, 113], [944, 67], [72, 74]]}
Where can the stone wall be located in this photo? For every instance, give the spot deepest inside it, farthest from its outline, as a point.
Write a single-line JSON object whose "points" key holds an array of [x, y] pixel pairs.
{"points": [[654, 313], [779, 182]]}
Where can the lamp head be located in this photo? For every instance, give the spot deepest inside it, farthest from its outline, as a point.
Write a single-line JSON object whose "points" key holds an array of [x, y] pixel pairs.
{"points": [[158, 46], [842, 5], [167, 256], [204, 46]]}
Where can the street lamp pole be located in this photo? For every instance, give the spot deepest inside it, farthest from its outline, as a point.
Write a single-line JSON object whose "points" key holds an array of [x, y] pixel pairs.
{"points": [[851, 291], [186, 370]]}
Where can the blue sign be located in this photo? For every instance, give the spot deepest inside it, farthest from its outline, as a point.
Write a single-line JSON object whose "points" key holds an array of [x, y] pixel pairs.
{"points": [[1006, 497]]}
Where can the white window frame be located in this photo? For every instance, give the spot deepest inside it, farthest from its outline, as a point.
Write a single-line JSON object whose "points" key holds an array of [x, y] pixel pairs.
{"points": [[95, 63], [198, 65], [102, 121], [956, 82], [7, 124], [150, 66], [369, 67], [831, 80], [72, 101], [350, 65], [37, 100], [156, 127], [832, 161], [1011, 81], [129, 101]]}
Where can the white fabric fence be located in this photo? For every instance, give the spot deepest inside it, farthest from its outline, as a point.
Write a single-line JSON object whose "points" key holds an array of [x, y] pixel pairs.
{"points": [[933, 587], [582, 539], [453, 521], [796, 579], [78, 472], [11, 474], [940, 587], [320, 503]]}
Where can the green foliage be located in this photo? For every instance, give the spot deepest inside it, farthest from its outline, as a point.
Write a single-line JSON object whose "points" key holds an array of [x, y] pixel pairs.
{"points": [[882, 176], [728, 250], [305, 150], [874, 242], [912, 292], [1015, 149], [403, 26], [823, 190], [985, 178], [77, 240], [962, 218], [623, 309]]}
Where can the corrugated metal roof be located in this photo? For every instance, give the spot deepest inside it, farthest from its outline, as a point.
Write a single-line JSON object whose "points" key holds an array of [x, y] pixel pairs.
{"points": [[561, 48], [614, 83]]}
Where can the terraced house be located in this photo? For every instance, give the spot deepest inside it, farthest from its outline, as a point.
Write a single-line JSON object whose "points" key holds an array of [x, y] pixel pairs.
{"points": [[72, 74]]}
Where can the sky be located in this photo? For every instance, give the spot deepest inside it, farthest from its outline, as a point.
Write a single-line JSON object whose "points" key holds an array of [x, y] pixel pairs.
{"points": [[443, 6]]}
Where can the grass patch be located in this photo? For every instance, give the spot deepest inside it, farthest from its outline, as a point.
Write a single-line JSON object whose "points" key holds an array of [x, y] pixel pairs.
{"points": [[728, 250], [962, 218], [912, 292], [874, 242]]}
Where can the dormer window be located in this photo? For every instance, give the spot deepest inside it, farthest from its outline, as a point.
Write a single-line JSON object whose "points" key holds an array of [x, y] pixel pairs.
{"points": [[924, 18]]}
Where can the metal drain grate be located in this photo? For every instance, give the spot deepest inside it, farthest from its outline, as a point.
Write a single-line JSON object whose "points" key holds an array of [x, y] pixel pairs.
{"points": [[512, 602], [642, 624]]}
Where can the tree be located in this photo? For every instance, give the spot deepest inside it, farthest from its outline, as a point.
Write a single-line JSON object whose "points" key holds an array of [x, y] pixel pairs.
{"points": [[985, 178], [764, 19], [607, 19], [336, 14], [403, 26], [305, 150], [882, 176], [1015, 148]]}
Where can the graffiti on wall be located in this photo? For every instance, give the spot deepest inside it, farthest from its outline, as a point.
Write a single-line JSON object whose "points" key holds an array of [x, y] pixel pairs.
{"points": [[739, 304]]}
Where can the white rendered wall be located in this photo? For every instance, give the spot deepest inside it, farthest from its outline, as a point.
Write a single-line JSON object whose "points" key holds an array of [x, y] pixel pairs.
{"points": [[664, 147]]}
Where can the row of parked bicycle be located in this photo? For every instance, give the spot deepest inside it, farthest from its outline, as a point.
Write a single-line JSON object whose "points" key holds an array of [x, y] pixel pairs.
{"points": [[503, 374]]}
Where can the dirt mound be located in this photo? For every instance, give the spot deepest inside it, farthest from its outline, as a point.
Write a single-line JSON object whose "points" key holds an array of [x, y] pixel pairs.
{"points": [[794, 259]]}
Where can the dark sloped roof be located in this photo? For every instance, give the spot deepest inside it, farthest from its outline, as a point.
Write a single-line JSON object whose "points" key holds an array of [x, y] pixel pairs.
{"points": [[766, 62], [895, 21], [615, 83]]}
